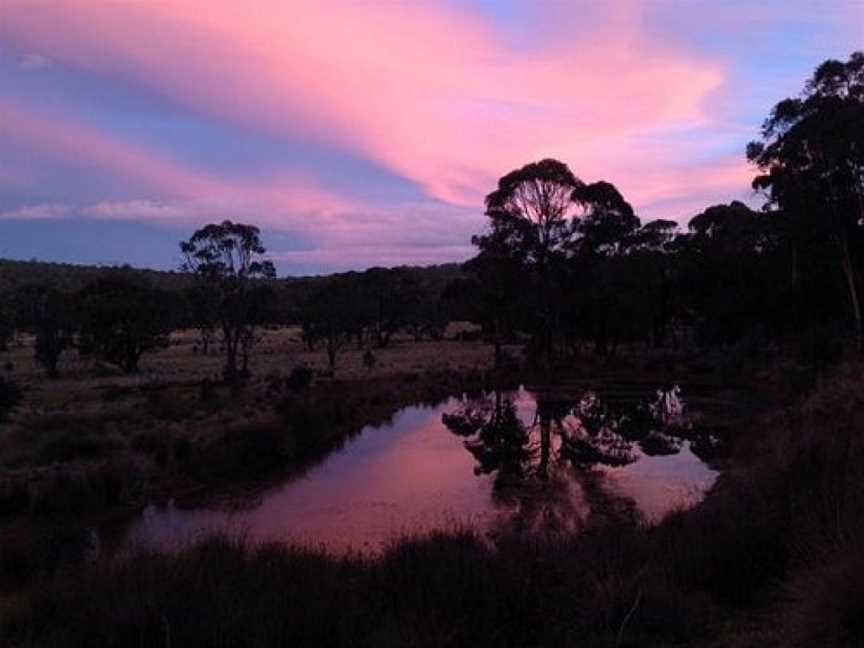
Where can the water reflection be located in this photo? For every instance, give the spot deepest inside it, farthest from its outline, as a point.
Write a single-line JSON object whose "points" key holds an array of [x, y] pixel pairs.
{"points": [[583, 433], [535, 461]]}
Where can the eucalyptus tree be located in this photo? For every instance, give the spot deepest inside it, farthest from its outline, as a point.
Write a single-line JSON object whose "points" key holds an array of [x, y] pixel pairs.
{"points": [[548, 240], [529, 228], [230, 258], [607, 223], [7, 322], [49, 315], [389, 300], [811, 159], [655, 262], [602, 280], [202, 306], [331, 316], [122, 317]]}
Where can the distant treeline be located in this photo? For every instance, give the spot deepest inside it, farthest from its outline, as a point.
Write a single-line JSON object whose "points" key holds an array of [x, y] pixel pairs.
{"points": [[119, 313], [68, 277]]}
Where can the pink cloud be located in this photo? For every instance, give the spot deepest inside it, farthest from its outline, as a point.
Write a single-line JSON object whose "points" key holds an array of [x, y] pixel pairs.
{"points": [[184, 194], [680, 192], [52, 135], [345, 234], [431, 92], [44, 211]]}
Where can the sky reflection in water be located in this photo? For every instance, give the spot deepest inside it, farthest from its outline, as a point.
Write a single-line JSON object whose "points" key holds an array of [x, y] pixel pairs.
{"points": [[416, 474]]}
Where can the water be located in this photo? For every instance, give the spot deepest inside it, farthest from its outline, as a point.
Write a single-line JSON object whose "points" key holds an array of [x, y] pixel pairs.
{"points": [[529, 462]]}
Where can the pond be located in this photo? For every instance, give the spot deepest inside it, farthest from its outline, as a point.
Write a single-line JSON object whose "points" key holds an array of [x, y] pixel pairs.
{"points": [[518, 460]]}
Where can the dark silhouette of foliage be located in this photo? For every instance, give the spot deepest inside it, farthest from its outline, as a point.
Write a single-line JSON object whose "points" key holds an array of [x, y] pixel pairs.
{"points": [[390, 300], [123, 318], [48, 314], [811, 158], [299, 379], [10, 396], [229, 257], [202, 303], [530, 225], [549, 238], [331, 317], [589, 431]]}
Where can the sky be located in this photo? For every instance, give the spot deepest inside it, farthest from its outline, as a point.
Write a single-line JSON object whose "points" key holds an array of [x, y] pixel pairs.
{"points": [[362, 133]]}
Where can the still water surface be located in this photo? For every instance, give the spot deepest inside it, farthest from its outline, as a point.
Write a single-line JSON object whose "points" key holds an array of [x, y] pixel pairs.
{"points": [[492, 462]]}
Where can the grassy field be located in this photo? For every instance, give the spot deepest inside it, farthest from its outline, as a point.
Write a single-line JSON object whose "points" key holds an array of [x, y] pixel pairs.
{"points": [[95, 439]]}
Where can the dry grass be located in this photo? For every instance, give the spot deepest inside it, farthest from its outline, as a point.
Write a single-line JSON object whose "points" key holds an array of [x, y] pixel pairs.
{"points": [[158, 430]]}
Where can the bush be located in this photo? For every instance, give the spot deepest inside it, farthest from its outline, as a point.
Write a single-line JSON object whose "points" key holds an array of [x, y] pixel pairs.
{"points": [[300, 378], [71, 446], [10, 396]]}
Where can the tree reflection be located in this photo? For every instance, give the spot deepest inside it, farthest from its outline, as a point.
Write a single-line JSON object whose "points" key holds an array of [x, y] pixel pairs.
{"points": [[571, 434]]}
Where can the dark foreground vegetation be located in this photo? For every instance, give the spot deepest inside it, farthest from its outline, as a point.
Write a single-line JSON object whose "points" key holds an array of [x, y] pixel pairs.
{"points": [[774, 556], [567, 279]]}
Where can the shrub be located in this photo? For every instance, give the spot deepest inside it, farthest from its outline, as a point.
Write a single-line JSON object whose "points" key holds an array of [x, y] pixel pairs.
{"points": [[300, 378], [71, 446], [10, 396]]}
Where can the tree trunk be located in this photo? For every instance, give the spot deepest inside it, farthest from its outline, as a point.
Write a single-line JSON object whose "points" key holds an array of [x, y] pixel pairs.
{"points": [[231, 341], [852, 285], [499, 359], [545, 447]]}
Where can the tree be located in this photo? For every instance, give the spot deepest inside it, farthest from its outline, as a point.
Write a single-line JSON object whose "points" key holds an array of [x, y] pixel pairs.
{"points": [[530, 224], [123, 318], [604, 234], [10, 396], [501, 280], [811, 159], [654, 260], [731, 273], [331, 317], [7, 323], [389, 296], [229, 257], [48, 314], [202, 302], [607, 223]]}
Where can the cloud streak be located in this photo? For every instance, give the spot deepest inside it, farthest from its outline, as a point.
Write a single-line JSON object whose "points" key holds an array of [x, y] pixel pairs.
{"points": [[432, 93]]}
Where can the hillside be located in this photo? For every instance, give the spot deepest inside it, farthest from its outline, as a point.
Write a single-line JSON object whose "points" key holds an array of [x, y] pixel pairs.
{"points": [[69, 277]]}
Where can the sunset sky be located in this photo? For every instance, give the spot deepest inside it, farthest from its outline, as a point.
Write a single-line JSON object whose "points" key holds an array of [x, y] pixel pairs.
{"points": [[366, 132]]}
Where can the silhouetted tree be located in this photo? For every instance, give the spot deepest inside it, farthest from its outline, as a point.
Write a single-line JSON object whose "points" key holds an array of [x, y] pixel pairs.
{"points": [[202, 302], [331, 317], [10, 396], [654, 261], [604, 234], [7, 322], [229, 257], [530, 223], [123, 318], [548, 247], [48, 314], [731, 277], [811, 156], [389, 296], [460, 300]]}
